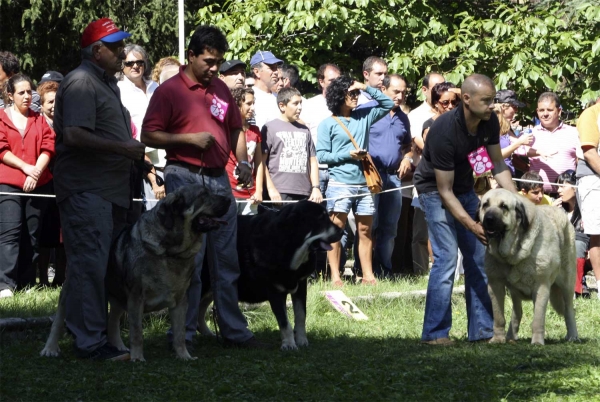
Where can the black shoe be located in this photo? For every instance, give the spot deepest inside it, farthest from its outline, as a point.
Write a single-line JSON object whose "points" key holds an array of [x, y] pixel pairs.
{"points": [[188, 345], [251, 343], [108, 352]]}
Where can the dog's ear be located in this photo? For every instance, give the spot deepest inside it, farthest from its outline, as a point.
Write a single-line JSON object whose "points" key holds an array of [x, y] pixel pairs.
{"points": [[521, 212], [167, 210]]}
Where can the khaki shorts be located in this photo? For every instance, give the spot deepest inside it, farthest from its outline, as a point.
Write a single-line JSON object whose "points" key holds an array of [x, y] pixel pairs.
{"points": [[588, 197]]}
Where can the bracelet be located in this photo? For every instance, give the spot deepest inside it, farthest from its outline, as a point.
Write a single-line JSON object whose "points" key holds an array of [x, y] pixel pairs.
{"points": [[246, 163], [319, 187]]}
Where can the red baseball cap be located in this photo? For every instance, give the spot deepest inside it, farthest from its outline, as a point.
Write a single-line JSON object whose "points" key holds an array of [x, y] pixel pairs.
{"points": [[103, 29]]}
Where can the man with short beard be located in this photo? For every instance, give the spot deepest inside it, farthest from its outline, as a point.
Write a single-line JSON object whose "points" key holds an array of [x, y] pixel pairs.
{"points": [[444, 180], [425, 111], [265, 66]]}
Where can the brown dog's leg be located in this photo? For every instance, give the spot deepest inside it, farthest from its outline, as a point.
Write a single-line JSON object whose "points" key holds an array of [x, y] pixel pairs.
{"points": [[114, 327], [497, 292], [177, 315], [541, 296], [51, 349]]}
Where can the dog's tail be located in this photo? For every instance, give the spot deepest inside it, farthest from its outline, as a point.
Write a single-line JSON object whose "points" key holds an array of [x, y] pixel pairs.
{"points": [[557, 299]]}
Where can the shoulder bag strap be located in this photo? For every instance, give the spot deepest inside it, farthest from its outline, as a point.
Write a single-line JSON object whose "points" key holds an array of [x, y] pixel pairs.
{"points": [[347, 132]]}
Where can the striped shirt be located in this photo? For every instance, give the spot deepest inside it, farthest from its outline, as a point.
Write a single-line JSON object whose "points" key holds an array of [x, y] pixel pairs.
{"points": [[563, 142]]}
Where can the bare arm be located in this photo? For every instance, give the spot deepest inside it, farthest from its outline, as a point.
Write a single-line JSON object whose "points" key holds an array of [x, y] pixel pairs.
{"points": [[259, 168], [591, 157], [500, 171], [524, 139], [273, 193], [14, 161], [79, 137], [315, 194], [240, 149], [405, 165], [445, 180], [164, 140]]}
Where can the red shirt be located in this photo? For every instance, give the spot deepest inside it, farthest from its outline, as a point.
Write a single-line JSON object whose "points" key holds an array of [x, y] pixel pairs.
{"points": [[182, 106], [38, 139], [252, 142]]}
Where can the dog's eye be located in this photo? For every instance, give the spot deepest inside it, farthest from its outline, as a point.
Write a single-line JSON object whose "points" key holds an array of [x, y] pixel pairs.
{"points": [[486, 204], [503, 206]]}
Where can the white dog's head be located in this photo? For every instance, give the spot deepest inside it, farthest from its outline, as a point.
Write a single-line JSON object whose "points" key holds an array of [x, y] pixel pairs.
{"points": [[502, 211]]}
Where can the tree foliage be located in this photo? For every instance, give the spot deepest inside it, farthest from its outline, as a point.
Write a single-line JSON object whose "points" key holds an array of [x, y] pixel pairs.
{"points": [[531, 47]]}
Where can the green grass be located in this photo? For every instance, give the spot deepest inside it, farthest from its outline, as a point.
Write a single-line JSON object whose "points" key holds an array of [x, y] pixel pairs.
{"points": [[378, 359]]}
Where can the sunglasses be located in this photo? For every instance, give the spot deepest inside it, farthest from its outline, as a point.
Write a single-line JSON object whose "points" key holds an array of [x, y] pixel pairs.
{"points": [[445, 103], [354, 94], [139, 63]]}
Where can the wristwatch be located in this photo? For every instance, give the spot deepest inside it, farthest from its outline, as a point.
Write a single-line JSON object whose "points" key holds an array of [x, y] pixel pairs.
{"points": [[246, 163], [409, 159]]}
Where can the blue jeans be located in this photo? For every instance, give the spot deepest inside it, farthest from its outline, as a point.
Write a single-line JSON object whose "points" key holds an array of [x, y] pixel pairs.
{"points": [[447, 235], [221, 246], [388, 207]]}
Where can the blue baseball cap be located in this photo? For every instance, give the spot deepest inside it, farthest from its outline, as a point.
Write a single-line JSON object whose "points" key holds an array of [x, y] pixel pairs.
{"points": [[264, 57]]}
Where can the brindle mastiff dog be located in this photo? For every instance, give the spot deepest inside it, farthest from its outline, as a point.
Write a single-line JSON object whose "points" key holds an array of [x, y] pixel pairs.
{"points": [[151, 267], [531, 251]]}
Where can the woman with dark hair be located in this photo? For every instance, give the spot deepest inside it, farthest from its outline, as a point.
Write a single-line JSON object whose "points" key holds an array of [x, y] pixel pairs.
{"points": [[444, 97], [136, 90], [568, 200], [26, 147], [347, 189]]}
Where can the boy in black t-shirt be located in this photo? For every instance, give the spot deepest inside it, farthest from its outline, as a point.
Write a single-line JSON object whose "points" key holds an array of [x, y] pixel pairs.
{"points": [[460, 142]]}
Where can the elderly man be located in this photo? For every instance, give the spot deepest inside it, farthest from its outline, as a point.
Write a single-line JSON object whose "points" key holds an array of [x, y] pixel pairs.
{"points": [[198, 139], [265, 66], [233, 73], [389, 145], [555, 144], [444, 180], [588, 182], [94, 157], [374, 70]]}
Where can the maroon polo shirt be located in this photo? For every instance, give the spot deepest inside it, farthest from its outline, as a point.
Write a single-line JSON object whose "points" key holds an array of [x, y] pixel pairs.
{"points": [[181, 106]]}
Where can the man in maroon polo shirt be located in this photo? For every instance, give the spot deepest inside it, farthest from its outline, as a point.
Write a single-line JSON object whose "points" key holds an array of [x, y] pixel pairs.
{"points": [[194, 117]]}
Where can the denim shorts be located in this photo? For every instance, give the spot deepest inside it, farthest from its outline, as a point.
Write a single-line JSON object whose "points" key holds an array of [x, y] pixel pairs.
{"points": [[362, 205]]}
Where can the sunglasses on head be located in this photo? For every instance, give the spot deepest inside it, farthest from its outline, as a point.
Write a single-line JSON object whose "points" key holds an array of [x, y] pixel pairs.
{"points": [[139, 63], [445, 103], [354, 94]]}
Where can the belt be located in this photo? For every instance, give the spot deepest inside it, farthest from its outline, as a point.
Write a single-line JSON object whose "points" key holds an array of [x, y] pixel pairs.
{"points": [[204, 171], [389, 170]]}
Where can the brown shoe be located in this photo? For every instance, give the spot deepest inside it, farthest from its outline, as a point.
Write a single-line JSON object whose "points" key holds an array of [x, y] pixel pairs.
{"points": [[439, 342], [251, 343]]}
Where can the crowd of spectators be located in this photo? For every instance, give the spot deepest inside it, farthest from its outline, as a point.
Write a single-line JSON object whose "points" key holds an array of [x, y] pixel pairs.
{"points": [[243, 129]]}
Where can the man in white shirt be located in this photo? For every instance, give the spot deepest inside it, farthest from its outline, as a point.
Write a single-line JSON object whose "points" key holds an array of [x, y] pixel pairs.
{"points": [[424, 112], [264, 66]]}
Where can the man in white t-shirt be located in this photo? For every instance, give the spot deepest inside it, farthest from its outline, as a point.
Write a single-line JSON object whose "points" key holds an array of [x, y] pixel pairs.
{"points": [[264, 66], [424, 112]]}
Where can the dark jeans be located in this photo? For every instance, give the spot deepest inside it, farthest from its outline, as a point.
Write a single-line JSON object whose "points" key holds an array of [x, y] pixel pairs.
{"points": [[89, 224], [20, 227]]}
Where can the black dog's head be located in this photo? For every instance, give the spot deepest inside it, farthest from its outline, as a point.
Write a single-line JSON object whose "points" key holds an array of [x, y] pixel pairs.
{"points": [[192, 207], [311, 221]]}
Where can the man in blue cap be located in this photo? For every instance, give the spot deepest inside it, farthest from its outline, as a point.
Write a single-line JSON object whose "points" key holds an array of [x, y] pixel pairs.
{"points": [[265, 66], [95, 152]]}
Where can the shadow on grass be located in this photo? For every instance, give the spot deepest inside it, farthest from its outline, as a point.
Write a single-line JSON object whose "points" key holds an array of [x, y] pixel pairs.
{"points": [[340, 368]]}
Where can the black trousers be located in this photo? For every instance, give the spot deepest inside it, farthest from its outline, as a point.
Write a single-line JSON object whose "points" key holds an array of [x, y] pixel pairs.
{"points": [[20, 227]]}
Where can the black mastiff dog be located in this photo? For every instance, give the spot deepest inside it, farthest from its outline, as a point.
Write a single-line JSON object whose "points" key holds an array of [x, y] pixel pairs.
{"points": [[152, 264], [276, 250]]}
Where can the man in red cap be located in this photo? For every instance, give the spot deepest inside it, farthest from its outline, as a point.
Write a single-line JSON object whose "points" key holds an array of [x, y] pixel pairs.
{"points": [[94, 158]]}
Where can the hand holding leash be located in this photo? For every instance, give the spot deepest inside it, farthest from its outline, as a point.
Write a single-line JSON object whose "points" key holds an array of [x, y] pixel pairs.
{"points": [[203, 140], [133, 149], [244, 174]]}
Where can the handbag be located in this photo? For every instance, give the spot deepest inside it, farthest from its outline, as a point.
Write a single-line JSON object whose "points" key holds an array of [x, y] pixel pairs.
{"points": [[372, 176]]}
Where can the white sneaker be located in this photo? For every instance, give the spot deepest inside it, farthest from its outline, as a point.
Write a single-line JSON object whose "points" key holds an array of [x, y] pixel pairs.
{"points": [[6, 293]]}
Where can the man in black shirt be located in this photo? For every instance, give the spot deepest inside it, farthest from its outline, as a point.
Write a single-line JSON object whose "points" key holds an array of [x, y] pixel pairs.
{"points": [[460, 142], [94, 155]]}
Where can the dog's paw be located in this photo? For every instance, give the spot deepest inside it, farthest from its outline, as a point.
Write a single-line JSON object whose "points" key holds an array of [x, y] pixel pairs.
{"points": [[50, 352], [301, 341], [574, 338], [498, 339], [288, 346], [186, 356], [138, 359]]}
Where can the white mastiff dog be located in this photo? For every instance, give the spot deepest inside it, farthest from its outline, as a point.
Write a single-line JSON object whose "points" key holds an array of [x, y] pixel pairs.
{"points": [[531, 251]]}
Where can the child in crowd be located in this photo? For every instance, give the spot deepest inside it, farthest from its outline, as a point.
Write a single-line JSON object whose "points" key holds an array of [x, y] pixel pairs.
{"points": [[568, 200], [534, 191], [292, 171], [250, 196]]}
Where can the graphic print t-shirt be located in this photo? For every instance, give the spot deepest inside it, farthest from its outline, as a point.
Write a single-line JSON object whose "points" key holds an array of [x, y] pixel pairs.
{"points": [[289, 147]]}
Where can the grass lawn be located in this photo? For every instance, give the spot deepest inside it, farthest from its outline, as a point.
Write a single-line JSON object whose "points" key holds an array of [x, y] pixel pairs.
{"points": [[378, 359]]}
